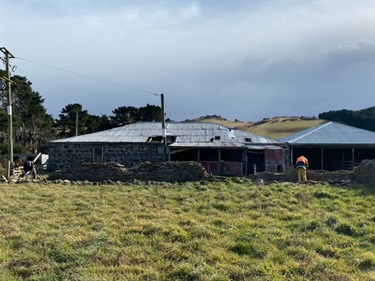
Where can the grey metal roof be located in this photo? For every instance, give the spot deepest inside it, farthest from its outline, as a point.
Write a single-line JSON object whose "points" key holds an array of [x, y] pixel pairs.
{"points": [[332, 133], [187, 134]]}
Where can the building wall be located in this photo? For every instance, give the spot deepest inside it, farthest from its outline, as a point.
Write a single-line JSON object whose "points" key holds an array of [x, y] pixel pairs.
{"points": [[274, 160], [287, 157], [63, 155]]}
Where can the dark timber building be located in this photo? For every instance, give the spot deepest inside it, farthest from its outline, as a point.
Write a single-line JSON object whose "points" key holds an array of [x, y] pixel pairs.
{"points": [[331, 146]]}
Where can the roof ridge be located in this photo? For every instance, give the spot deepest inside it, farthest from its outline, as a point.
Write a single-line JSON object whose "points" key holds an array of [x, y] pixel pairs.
{"points": [[312, 131]]}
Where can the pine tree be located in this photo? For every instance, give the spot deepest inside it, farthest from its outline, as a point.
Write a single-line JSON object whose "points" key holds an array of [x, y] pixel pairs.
{"points": [[31, 123]]}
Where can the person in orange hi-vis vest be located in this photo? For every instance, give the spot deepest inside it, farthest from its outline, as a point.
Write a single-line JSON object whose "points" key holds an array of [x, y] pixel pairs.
{"points": [[302, 164]]}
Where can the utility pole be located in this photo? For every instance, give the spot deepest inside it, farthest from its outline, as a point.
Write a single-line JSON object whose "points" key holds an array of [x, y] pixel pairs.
{"points": [[8, 55], [164, 130]]}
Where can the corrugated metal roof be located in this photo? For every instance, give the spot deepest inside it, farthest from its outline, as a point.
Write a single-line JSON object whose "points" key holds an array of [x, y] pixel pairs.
{"points": [[332, 133], [194, 134]]}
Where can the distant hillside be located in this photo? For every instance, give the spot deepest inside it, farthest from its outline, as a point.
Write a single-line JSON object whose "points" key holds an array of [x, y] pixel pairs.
{"points": [[274, 128], [281, 127]]}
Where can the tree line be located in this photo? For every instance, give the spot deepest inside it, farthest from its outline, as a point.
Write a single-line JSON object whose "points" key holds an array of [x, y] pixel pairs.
{"points": [[34, 128], [364, 118]]}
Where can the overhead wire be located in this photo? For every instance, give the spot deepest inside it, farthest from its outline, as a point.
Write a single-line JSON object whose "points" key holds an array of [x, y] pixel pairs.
{"points": [[89, 77]]}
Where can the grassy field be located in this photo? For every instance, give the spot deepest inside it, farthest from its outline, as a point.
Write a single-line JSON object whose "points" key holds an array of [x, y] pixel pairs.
{"points": [[274, 128], [281, 128], [191, 231]]}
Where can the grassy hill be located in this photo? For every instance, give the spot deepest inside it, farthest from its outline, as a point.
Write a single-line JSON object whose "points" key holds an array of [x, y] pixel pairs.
{"points": [[192, 231], [274, 128]]}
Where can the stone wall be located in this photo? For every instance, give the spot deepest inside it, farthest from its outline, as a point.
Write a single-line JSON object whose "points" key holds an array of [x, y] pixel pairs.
{"points": [[161, 172], [290, 175], [176, 171], [363, 173], [287, 160], [193, 171], [64, 155]]}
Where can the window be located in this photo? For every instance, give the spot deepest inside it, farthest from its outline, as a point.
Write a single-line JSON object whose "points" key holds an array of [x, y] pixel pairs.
{"points": [[215, 138]]}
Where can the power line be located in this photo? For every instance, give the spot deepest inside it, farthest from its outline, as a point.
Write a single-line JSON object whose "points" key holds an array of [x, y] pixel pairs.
{"points": [[89, 77]]}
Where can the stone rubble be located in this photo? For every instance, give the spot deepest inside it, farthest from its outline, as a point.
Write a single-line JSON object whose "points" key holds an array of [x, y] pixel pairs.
{"points": [[365, 172]]}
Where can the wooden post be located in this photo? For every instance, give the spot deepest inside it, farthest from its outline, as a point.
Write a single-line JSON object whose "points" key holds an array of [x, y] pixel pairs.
{"points": [[353, 158], [164, 130], [218, 162]]}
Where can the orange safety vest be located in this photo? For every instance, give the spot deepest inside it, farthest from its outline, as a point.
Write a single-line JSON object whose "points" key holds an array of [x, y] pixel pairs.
{"points": [[302, 162], [302, 159]]}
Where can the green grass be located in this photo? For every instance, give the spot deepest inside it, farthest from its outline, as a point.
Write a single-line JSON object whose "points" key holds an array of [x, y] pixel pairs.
{"points": [[192, 231]]}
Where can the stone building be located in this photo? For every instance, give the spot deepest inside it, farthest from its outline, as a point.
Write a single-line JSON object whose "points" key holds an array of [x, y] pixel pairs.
{"points": [[221, 150]]}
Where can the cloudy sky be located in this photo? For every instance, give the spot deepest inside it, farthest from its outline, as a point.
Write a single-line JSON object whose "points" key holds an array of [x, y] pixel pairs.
{"points": [[243, 60]]}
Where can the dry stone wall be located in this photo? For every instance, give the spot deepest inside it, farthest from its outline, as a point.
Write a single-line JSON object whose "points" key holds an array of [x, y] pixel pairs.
{"points": [[161, 171], [193, 171], [339, 176], [363, 173]]}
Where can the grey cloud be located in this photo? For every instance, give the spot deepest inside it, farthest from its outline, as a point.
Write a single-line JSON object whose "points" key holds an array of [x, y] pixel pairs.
{"points": [[246, 60], [361, 53]]}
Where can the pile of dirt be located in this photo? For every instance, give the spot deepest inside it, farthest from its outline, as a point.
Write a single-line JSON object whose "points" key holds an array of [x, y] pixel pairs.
{"points": [[365, 172], [161, 171]]}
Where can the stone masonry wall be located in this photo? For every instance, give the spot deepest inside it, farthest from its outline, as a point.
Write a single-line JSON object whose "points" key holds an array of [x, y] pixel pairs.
{"points": [[290, 175], [192, 171], [161, 172], [64, 155], [287, 159]]}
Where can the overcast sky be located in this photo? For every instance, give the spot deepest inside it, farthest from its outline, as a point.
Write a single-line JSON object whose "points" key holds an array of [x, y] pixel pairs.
{"points": [[243, 60]]}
